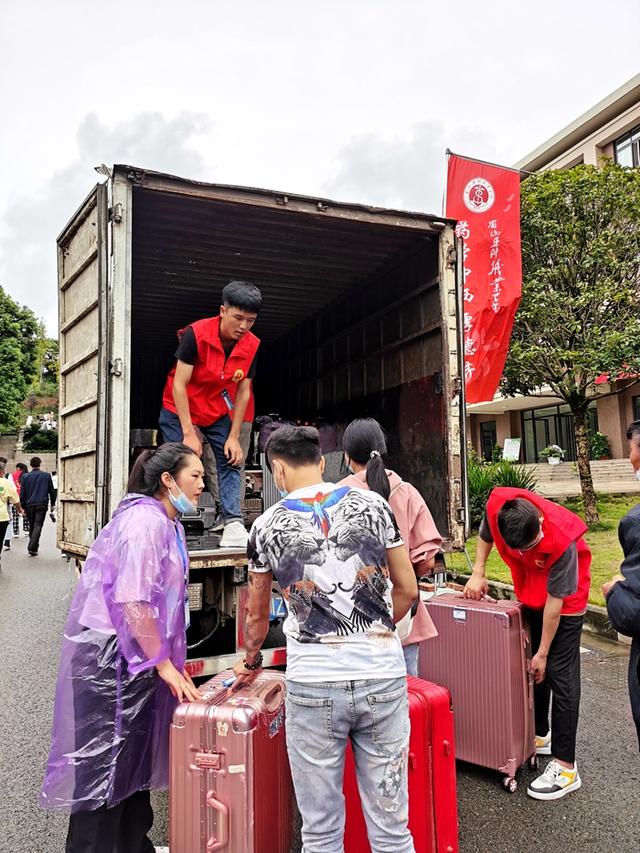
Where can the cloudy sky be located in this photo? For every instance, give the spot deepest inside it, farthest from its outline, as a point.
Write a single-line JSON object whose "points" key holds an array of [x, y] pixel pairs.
{"points": [[355, 99]]}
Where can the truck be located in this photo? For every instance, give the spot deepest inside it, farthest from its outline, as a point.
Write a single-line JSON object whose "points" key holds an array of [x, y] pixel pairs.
{"points": [[362, 316]]}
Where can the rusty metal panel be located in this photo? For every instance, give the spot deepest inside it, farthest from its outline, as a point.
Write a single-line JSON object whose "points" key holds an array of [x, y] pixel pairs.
{"points": [[82, 301], [373, 368], [413, 360], [391, 369]]}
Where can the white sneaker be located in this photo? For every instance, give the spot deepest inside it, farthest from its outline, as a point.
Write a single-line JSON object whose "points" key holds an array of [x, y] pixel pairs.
{"points": [[543, 744], [555, 782], [234, 536], [161, 849]]}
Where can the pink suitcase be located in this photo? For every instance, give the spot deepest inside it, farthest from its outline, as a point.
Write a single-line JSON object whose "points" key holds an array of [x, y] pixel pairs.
{"points": [[230, 786], [481, 654]]}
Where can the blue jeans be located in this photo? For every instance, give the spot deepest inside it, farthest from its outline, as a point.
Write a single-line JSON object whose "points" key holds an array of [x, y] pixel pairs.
{"points": [[228, 476], [411, 658], [375, 715]]}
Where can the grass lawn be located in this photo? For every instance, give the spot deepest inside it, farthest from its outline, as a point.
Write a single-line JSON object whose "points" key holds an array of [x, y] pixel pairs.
{"points": [[602, 539]]}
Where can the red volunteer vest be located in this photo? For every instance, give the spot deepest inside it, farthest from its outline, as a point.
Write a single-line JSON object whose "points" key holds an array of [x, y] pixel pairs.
{"points": [[530, 570], [212, 375]]}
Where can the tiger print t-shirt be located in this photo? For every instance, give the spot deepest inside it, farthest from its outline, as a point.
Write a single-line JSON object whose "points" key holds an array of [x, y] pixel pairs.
{"points": [[326, 546]]}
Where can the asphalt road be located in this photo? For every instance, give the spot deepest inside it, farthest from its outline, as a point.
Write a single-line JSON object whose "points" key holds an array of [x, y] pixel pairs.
{"points": [[603, 817]]}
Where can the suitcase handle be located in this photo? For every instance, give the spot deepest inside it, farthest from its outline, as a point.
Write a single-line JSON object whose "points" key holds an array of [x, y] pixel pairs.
{"points": [[272, 696], [223, 824]]}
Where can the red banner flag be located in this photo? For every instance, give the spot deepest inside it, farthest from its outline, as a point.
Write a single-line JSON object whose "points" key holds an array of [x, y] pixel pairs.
{"points": [[485, 199]]}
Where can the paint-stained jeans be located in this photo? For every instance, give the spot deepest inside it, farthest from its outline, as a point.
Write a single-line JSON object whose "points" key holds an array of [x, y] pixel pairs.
{"points": [[375, 715]]}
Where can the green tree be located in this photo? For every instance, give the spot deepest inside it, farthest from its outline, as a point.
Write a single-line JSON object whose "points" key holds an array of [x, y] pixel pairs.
{"points": [[20, 333], [49, 361], [579, 316]]}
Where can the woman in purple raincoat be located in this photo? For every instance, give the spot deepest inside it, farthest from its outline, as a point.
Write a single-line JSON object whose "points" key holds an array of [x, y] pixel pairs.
{"points": [[122, 664]]}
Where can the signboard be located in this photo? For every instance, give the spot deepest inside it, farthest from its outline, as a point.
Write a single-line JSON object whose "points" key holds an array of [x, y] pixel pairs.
{"points": [[511, 449]]}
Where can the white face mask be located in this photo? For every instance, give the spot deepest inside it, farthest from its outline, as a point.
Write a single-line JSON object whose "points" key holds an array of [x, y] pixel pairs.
{"points": [[637, 473]]}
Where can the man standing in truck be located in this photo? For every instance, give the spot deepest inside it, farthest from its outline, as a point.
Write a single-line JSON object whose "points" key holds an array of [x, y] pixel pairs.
{"points": [[209, 387]]}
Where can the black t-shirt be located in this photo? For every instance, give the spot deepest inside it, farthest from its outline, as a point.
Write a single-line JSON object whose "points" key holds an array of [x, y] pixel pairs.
{"points": [[188, 351], [563, 575]]}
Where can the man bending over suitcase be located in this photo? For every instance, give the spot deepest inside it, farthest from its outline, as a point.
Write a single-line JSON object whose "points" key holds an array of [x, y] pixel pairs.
{"points": [[543, 545], [335, 552]]}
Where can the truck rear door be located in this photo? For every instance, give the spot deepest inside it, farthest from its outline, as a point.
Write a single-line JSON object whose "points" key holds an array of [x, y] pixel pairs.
{"points": [[82, 298]]}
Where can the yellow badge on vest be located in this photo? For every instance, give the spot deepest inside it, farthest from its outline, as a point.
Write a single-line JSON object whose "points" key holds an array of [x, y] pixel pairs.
{"points": [[238, 376]]}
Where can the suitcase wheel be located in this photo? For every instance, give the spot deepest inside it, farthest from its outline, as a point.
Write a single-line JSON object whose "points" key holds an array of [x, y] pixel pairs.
{"points": [[510, 784], [534, 762]]}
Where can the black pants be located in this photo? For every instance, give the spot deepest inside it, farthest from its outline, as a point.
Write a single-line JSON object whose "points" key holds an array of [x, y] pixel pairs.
{"points": [[119, 829], [3, 530], [562, 679], [36, 513]]}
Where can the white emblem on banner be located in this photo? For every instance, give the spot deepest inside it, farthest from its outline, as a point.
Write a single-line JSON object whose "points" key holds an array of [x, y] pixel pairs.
{"points": [[478, 195]]}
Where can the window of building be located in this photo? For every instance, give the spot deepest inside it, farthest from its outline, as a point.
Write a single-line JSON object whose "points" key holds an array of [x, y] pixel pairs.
{"points": [[553, 425], [636, 408], [627, 149], [488, 439]]}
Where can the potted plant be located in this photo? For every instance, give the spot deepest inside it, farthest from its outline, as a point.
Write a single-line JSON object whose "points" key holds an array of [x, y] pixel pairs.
{"points": [[599, 445], [553, 454]]}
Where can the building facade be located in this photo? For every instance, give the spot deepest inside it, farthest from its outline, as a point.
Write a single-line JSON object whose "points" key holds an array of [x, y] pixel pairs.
{"points": [[610, 129]]}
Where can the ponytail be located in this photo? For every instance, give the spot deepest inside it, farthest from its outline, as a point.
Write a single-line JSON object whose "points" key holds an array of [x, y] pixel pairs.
{"points": [[364, 442], [145, 476], [376, 476]]}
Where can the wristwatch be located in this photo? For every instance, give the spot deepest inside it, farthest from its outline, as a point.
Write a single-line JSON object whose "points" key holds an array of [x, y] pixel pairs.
{"points": [[252, 666]]}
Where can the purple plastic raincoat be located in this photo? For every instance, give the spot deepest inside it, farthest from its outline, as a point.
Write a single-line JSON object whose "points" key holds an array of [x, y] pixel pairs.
{"points": [[112, 711]]}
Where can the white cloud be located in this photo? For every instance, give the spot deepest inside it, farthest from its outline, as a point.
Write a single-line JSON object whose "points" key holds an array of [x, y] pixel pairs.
{"points": [[29, 227], [407, 173]]}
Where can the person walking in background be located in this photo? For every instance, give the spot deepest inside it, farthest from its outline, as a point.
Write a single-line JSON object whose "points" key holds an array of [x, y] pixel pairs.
{"points": [[6, 539], [8, 495], [122, 666], [37, 492], [16, 476], [54, 480], [622, 592], [364, 447]]}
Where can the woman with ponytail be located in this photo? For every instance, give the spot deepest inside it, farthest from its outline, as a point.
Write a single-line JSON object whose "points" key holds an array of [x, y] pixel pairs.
{"points": [[122, 668], [364, 447]]}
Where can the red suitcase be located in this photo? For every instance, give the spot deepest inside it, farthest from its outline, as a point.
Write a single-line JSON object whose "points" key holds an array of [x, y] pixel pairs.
{"points": [[230, 786], [433, 814], [481, 654]]}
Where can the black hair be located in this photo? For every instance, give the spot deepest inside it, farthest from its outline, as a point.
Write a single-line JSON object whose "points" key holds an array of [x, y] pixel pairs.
{"points": [[297, 445], [36, 462], [151, 465], [364, 442], [4, 459], [242, 295], [519, 522], [633, 430], [22, 467]]}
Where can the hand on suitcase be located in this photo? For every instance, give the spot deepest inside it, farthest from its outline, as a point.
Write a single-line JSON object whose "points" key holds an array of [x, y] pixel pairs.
{"points": [[180, 684], [476, 587], [538, 667], [243, 676]]}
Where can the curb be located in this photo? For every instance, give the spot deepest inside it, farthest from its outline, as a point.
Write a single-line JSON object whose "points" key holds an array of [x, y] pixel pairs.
{"points": [[596, 620]]}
